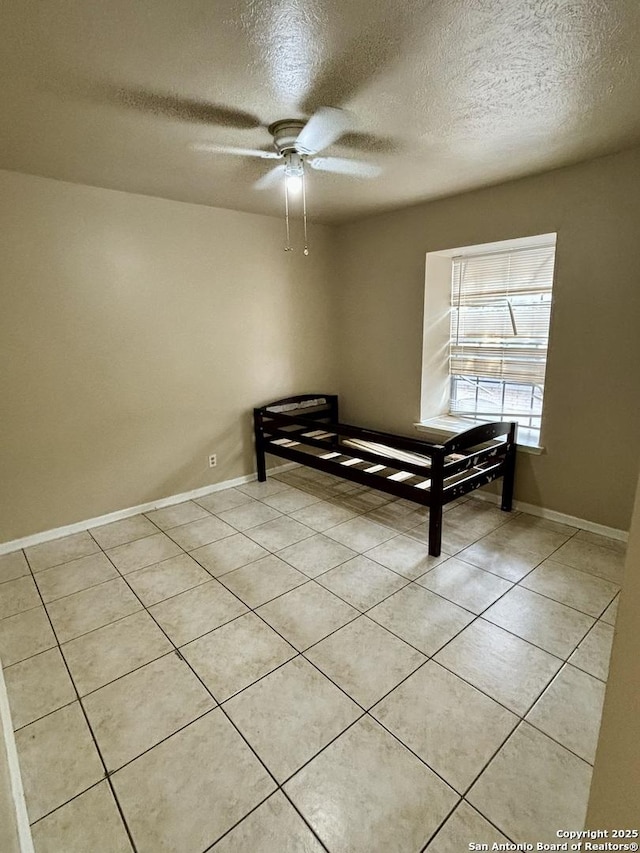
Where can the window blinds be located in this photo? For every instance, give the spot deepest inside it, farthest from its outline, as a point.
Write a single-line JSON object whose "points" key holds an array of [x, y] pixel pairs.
{"points": [[501, 307]]}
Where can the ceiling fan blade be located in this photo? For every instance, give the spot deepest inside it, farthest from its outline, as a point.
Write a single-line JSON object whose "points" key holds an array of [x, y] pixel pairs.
{"points": [[230, 149], [271, 179], [176, 107], [370, 143], [369, 47], [325, 126], [342, 166]]}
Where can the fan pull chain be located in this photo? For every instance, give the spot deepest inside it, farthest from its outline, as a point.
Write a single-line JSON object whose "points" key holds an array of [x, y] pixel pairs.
{"points": [[305, 251], [287, 247]]}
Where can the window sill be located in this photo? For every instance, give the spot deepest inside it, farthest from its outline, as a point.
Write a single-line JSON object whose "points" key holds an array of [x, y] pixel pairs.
{"points": [[445, 426]]}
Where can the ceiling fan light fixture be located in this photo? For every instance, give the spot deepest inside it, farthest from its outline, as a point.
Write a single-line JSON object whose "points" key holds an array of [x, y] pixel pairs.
{"points": [[294, 183], [293, 172]]}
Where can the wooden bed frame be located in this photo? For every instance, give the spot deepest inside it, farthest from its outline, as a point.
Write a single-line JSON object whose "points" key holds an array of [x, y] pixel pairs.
{"points": [[306, 429]]}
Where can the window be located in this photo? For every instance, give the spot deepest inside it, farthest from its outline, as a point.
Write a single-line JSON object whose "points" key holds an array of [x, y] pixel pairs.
{"points": [[486, 329], [500, 313]]}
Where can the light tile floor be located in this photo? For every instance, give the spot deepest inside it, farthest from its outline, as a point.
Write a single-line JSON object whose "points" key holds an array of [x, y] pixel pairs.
{"points": [[283, 667]]}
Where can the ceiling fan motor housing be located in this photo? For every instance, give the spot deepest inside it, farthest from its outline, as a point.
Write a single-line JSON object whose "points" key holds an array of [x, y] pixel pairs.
{"points": [[285, 134]]}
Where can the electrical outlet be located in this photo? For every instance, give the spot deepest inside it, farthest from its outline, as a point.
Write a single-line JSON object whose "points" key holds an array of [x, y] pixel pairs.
{"points": [[213, 461]]}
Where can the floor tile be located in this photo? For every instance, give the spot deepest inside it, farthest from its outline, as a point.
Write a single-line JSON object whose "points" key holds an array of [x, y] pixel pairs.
{"points": [[516, 547], [510, 670], [532, 787], [101, 656], [12, 566], [610, 614], [453, 727], [316, 555], [526, 523], [201, 532], [58, 759], [248, 515], [225, 499], [532, 532], [92, 608], [360, 534], [593, 653], [279, 533], [405, 556], [421, 534], [467, 523], [62, 550], [570, 711], [496, 555], [572, 587], [362, 501], [365, 660], [173, 516], [465, 585], [207, 762], [25, 634], [90, 822], [465, 823], [37, 686], [604, 541], [440, 710], [595, 559], [366, 792], [421, 618], [481, 515], [237, 654], [120, 532], [170, 577], [289, 715], [274, 827], [307, 614], [143, 552], [553, 627], [361, 582], [228, 554], [269, 487], [289, 500], [75, 576], [140, 709], [263, 580], [322, 515], [18, 595], [398, 516], [196, 611]]}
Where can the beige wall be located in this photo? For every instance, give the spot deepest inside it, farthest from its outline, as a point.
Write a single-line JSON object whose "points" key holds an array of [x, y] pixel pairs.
{"points": [[136, 334], [592, 407], [614, 802]]}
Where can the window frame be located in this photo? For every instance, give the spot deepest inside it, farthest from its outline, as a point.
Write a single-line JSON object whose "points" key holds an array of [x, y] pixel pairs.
{"points": [[435, 417]]}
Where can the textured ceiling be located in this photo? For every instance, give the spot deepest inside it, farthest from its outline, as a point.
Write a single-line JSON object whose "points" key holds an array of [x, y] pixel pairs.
{"points": [[447, 95]]}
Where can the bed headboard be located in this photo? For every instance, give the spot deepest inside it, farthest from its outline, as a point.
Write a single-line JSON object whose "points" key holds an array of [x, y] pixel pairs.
{"points": [[314, 405]]}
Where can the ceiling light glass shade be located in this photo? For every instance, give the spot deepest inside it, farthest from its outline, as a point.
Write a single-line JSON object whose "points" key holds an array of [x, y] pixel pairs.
{"points": [[294, 183]]}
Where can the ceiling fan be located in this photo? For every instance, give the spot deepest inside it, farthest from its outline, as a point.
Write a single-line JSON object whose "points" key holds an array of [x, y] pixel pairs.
{"points": [[296, 142]]}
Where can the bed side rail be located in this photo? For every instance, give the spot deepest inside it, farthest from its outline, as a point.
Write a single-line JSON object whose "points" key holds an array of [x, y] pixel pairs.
{"points": [[397, 442]]}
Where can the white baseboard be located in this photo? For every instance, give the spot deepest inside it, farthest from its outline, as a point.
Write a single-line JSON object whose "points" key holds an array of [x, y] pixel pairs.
{"points": [[13, 808], [79, 526], [560, 517]]}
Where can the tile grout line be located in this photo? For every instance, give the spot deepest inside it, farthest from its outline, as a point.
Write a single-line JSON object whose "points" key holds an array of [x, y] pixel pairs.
{"points": [[409, 581], [90, 729], [227, 717]]}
